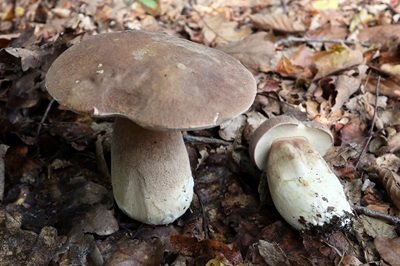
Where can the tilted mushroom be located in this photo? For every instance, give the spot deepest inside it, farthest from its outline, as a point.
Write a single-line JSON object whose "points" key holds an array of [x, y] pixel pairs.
{"points": [[156, 85], [303, 188]]}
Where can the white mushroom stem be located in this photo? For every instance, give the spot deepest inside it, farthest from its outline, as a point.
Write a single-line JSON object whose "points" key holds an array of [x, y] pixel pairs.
{"points": [[304, 189], [151, 175]]}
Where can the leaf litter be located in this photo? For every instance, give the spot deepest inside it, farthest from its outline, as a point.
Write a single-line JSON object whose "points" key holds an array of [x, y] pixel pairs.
{"points": [[334, 63]]}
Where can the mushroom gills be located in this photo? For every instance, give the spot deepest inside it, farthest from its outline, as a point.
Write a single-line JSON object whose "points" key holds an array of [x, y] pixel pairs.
{"points": [[303, 188]]}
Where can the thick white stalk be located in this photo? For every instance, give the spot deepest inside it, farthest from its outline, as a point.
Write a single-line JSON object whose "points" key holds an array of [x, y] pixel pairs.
{"points": [[304, 189], [151, 176]]}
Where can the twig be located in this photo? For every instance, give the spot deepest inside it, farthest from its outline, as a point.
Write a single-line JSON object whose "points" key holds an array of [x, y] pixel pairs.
{"points": [[376, 214], [203, 213], [293, 39], [205, 140], [371, 129], [44, 117]]}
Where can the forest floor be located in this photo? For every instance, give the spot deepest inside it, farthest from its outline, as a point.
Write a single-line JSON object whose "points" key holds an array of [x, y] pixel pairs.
{"points": [[335, 62]]}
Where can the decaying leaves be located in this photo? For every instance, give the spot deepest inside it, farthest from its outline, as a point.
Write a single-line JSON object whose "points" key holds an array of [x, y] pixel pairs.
{"points": [[277, 22], [391, 181], [255, 51]]}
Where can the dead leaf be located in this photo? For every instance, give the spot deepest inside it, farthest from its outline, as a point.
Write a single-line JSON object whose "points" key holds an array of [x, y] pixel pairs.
{"points": [[391, 181], [389, 249], [389, 87], [232, 129], [255, 51], [287, 69], [29, 58], [394, 143], [99, 220], [380, 34], [136, 252], [389, 161], [345, 87], [336, 59], [373, 227], [192, 247], [277, 22], [217, 29], [271, 253]]}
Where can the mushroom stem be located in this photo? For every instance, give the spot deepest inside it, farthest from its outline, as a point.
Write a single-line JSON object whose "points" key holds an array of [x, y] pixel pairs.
{"points": [[304, 189], [151, 176]]}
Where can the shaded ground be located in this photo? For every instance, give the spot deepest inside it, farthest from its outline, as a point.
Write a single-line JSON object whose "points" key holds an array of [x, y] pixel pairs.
{"points": [[339, 66]]}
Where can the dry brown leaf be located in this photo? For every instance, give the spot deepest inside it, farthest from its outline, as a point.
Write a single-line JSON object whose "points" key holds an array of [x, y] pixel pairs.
{"points": [[328, 31], [255, 51], [217, 29], [277, 22], [192, 247], [391, 181], [389, 161], [232, 129], [336, 59], [345, 87], [392, 69], [286, 68], [394, 143], [389, 249], [271, 252], [380, 34]]}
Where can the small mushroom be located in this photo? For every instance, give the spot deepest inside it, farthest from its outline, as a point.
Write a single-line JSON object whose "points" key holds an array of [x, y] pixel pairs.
{"points": [[303, 188], [156, 85]]}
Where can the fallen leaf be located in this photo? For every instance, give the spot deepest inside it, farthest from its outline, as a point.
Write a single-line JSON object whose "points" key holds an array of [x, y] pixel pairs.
{"points": [[277, 22], [232, 129], [392, 69], [389, 249], [380, 34], [217, 29], [271, 253], [389, 87], [336, 59], [136, 252], [391, 181], [389, 161], [373, 227], [345, 87], [99, 220], [192, 247], [394, 143], [255, 51]]}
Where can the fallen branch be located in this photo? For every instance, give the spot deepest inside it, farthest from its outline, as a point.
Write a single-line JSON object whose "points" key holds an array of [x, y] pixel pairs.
{"points": [[292, 39], [205, 140], [376, 214]]}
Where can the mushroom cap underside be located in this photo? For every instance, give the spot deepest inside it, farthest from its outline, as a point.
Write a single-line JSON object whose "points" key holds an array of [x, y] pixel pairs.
{"points": [[281, 127]]}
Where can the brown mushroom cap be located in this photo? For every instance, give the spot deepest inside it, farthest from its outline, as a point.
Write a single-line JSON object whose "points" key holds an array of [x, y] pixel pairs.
{"points": [[157, 81], [280, 127]]}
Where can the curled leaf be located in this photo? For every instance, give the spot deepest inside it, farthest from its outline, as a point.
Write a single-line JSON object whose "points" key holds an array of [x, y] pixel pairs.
{"points": [[391, 181]]}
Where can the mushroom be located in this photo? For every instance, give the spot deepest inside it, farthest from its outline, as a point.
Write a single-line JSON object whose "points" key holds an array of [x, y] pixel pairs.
{"points": [[303, 188], [156, 85]]}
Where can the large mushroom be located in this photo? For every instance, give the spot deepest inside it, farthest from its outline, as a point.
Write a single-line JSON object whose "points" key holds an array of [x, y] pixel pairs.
{"points": [[303, 188], [156, 85]]}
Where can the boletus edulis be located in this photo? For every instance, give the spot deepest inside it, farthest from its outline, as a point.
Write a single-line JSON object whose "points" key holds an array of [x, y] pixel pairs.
{"points": [[303, 188], [155, 85]]}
